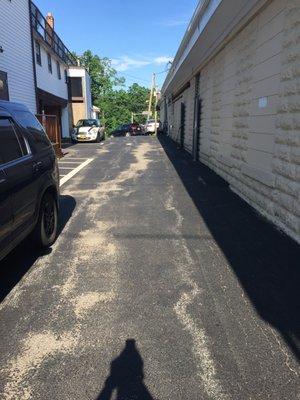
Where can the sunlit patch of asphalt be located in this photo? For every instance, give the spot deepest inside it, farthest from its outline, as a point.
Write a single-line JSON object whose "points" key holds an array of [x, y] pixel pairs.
{"points": [[21, 368], [207, 371]]}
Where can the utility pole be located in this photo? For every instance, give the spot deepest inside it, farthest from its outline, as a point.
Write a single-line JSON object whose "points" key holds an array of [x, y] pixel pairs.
{"points": [[132, 117], [155, 112]]}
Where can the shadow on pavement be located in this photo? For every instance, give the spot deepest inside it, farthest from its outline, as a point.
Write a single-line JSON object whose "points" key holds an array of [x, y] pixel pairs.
{"points": [[266, 261], [20, 260], [126, 376]]}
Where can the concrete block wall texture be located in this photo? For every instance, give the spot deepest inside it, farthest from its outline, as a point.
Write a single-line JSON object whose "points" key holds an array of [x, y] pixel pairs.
{"points": [[251, 116], [286, 158], [250, 130]]}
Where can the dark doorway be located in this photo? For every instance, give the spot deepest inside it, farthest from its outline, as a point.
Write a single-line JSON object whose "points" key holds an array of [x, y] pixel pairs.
{"points": [[197, 120], [182, 124], [126, 376], [4, 95]]}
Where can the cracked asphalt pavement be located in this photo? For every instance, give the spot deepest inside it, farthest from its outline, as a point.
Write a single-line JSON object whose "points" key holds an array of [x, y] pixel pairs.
{"points": [[162, 284]]}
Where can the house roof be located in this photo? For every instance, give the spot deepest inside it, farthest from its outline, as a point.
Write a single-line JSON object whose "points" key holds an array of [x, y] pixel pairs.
{"points": [[212, 25]]}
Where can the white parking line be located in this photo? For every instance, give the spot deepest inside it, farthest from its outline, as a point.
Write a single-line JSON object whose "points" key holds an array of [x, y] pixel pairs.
{"points": [[70, 162], [75, 171], [74, 158], [67, 167]]}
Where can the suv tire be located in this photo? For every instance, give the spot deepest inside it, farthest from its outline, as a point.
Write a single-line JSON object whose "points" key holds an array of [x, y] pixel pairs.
{"points": [[47, 225]]}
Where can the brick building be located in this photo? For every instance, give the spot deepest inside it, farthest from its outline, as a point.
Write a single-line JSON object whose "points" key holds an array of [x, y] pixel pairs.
{"points": [[232, 99]]}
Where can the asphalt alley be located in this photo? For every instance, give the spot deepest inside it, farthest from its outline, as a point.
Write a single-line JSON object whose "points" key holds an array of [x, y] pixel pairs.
{"points": [[162, 284]]}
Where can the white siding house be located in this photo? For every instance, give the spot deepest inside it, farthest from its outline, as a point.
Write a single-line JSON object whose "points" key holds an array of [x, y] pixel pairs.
{"points": [[52, 60], [96, 113], [16, 63], [232, 99], [51, 82]]}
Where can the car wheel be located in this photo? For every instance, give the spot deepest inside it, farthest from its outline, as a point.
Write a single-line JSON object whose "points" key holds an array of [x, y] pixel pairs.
{"points": [[47, 225], [98, 140]]}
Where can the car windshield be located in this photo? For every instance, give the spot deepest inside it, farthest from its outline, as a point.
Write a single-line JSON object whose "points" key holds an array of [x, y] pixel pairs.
{"points": [[87, 122]]}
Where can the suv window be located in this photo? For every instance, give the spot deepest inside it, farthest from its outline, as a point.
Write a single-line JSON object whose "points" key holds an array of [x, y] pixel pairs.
{"points": [[10, 148], [28, 121]]}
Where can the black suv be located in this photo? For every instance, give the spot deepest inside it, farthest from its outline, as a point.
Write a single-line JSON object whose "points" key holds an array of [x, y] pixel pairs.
{"points": [[29, 180]]}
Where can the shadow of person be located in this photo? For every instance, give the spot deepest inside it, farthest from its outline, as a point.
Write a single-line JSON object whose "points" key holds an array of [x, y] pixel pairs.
{"points": [[126, 376]]}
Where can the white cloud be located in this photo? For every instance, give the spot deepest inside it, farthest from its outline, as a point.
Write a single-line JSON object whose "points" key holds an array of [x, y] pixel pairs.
{"points": [[163, 60], [125, 62]]}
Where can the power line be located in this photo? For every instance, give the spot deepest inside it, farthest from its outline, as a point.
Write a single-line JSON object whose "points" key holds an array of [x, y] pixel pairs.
{"points": [[162, 72], [135, 77]]}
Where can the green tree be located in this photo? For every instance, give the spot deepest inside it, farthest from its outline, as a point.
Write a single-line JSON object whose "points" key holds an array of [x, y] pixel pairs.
{"points": [[137, 101], [108, 93], [104, 78]]}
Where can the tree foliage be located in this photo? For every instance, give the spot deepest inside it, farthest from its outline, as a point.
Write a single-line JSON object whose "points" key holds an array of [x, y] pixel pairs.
{"points": [[109, 94]]}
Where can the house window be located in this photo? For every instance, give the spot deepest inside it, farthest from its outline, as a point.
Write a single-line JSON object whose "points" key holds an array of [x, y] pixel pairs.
{"points": [[38, 53], [66, 76], [76, 87], [58, 70], [49, 63], [3, 86]]}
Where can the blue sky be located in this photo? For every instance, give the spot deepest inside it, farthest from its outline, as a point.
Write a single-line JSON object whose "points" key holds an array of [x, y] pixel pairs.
{"points": [[139, 36]]}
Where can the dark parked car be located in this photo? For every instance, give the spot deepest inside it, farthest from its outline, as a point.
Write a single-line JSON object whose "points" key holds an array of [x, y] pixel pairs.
{"points": [[29, 180], [122, 130], [136, 129], [131, 129]]}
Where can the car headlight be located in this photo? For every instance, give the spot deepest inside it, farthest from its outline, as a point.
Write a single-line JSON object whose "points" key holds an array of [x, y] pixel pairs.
{"points": [[94, 131]]}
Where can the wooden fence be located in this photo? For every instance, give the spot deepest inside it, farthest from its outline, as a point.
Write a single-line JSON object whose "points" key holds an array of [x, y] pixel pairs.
{"points": [[52, 128]]}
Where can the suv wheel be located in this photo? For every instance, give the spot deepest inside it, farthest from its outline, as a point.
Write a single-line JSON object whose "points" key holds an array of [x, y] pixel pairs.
{"points": [[46, 228]]}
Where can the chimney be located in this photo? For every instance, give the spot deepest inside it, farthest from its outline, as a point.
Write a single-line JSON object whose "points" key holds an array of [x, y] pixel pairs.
{"points": [[50, 20]]}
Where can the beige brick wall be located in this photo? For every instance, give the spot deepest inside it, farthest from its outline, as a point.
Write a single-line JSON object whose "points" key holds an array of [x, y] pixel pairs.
{"points": [[286, 157], [250, 131]]}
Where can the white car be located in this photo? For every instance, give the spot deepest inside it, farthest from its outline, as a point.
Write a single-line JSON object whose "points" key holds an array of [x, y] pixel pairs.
{"points": [[88, 130], [150, 126]]}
